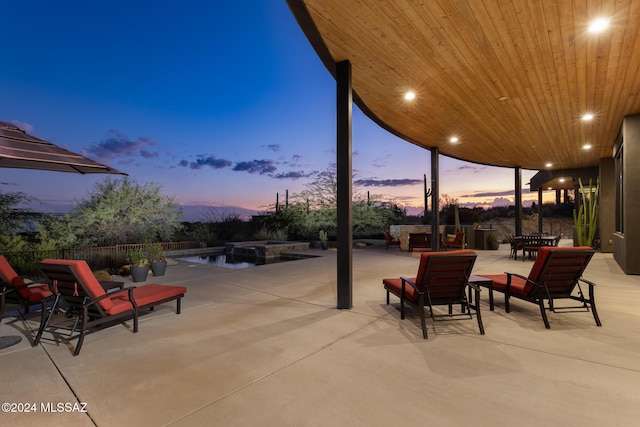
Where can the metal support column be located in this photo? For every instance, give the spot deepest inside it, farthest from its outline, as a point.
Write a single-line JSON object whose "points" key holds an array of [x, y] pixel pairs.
{"points": [[518, 201], [344, 178], [540, 210], [435, 203]]}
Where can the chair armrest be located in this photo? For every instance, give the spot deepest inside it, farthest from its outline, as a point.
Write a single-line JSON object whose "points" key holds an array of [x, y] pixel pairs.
{"points": [[27, 285], [521, 277], [474, 286], [129, 290], [410, 282], [5, 288], [588, 282]]}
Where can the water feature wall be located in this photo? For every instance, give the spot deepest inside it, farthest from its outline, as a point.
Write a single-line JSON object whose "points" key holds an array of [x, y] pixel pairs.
{"points": [[264, 249]]}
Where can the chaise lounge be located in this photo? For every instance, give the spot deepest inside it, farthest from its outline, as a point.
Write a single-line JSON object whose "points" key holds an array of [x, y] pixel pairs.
{"points": [[85, 298], [442, 279], [14, 290], [556, 274]]}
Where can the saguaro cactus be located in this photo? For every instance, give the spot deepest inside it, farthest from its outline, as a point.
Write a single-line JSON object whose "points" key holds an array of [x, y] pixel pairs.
{"points": [[586, 217]]}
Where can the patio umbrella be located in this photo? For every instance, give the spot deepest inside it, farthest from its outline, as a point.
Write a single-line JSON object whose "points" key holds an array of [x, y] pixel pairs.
{"points": [[18, 149]]}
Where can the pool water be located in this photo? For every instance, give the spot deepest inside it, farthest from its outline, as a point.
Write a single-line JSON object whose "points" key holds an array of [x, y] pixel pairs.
{"points": [[227, 261]]}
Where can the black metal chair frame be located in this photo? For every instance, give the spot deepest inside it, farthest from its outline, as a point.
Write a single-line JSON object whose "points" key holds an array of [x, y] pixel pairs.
{"points": [[419, 240], [74, 299], [446, 281], [10, 294], [554, 271], [516, 245]]}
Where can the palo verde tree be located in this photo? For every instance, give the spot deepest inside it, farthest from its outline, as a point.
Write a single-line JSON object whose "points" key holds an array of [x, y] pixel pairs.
{"points": [[12, 216], [119, 211], [12, 219]]}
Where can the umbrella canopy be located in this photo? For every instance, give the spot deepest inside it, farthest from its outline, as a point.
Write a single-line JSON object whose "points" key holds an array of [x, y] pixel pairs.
{"points": [[18, 149]]}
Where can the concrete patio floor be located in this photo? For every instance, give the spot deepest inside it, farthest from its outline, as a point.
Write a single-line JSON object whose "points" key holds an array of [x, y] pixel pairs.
{"points": [[265, 346]]}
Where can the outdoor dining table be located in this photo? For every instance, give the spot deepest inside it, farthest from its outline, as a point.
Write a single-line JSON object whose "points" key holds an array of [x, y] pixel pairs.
{"points": [[531, 243]]}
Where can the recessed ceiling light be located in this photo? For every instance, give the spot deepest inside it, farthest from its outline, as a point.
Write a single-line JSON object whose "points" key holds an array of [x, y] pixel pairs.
{"points": [[502, 98], [548, 165], [586, 147], [409, 95], [598, 25], [453, 139], [587, 117], [549, 188], [561, 179]]}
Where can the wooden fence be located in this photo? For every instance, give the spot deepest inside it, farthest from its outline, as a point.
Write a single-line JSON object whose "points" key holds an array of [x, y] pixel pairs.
{"points": [[104, 257]]}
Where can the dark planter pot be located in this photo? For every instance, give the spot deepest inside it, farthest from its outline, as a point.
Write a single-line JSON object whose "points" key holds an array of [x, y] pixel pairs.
{"points": [[324, 245], [158, 268], [139, 274]]}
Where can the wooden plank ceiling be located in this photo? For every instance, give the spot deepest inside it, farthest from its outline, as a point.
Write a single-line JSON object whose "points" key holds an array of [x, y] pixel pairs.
{"points": [[510, 79]]}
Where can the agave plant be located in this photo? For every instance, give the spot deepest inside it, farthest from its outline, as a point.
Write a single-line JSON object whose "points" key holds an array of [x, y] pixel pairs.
{"points": [[586, 217]]}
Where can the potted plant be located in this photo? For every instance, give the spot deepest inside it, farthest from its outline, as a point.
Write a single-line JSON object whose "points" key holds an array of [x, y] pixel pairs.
{"points": [[139, 264], [324, 243], [492, 241], [157, 259]]}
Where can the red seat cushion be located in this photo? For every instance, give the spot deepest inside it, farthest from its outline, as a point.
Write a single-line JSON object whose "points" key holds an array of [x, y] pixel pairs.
{"points": [[410, 293], [518, 286], [396, 286], [144, 295], [37, 293], [30, 293], [522, 287], [86, 277]]}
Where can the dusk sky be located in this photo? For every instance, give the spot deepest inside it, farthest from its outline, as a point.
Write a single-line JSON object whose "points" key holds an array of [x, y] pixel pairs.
{"points": [[221, 103]]}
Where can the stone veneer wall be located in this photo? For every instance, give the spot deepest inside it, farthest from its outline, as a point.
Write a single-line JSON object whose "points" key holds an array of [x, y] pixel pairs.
{"points": [[402, 231]]}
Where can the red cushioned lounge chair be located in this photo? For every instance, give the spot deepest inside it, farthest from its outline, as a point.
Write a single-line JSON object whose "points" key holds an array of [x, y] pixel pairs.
{"points": [[390, 240], [456, 243], [442, 279], [556, 274], [14, 290], [74, 283]]}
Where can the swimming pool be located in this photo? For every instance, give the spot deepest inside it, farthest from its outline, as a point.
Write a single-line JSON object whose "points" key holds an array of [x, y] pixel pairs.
{"points": [[234, 262]]}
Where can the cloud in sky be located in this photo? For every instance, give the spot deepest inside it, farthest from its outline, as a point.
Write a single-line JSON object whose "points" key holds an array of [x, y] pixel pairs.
{"points": [[388, 182], [273, 147], [471, 168], [252, 166], [496, 193], [210, 161], [118, 145], [256, 166], [382, 161], [297, 157], [148, 154], [24, 126], [501, 201], [292, 175]]}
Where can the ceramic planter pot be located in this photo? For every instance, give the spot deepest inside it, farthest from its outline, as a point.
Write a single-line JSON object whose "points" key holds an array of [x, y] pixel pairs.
{"points": [[139, 274], [158, 268]]}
